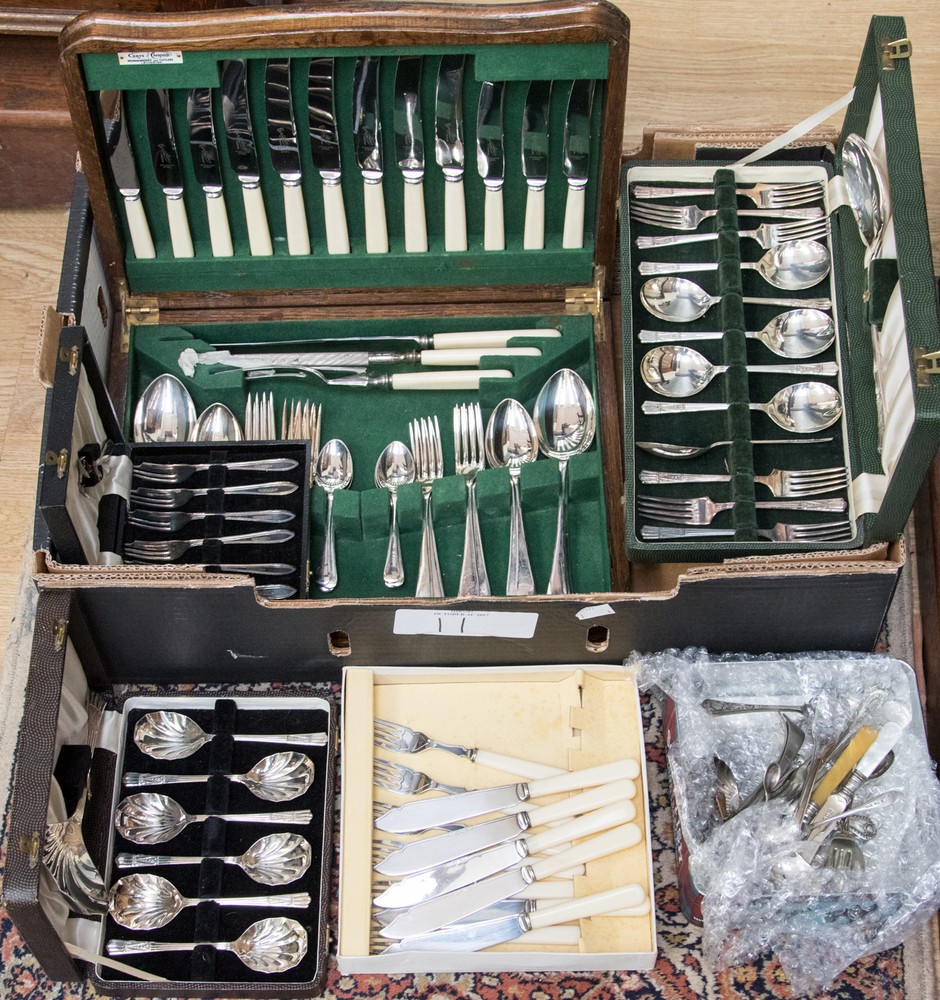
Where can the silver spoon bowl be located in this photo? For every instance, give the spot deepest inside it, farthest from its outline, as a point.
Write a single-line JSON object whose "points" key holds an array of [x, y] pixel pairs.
{"points": [[679, 300], [793, 266], [165, 411], [217, 423], [334, 472], [394, 468], [867, 189]]}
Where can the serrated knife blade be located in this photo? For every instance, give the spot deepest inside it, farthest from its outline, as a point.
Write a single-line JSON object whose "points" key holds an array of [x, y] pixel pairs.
{"points": [[367, 134], [491, 161], [409, 150], [324, 147], [205, 154], [449, 148], [124, 171], [535, 120], [167, 170], [577, 153]]}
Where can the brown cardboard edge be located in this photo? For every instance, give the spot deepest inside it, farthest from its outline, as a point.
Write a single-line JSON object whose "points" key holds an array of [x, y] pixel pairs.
{"points": [[47, 348]]}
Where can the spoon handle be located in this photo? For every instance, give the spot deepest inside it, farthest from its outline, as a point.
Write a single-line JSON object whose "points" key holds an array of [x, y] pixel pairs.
{"points": [[519, 579], [826, 368], [297, 900], [652, 406], [430, 583], [291, 739], [830, 504], [136, 779], [394, 573], [649, 478], [154, 860], [648, 242], [757, 300], [654, 267], [299, 817], [327, 576], [677, 337], [558, 578]]}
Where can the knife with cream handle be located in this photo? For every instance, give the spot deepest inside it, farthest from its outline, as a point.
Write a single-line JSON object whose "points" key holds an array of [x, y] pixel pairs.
{"points": [[535, 161], [124, 169], [402, 381], [285, 152], [576, 152], [439, 912], [166, 168], [325, 150], [414, 817], [435, 341], [205, 153], [367, 134], [491, 162], [409, 150], [449, 148]]}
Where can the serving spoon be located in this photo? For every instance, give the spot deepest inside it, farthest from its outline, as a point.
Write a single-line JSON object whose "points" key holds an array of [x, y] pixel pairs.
{"points": [[679, 300], [867, 190]]}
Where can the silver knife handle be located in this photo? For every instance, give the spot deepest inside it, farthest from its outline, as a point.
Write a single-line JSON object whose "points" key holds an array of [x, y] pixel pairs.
{"points": [[455, 212], [137, 223], [494, 234], [643, 191], [220, 236], [295, 217], [259, 235], [334, 217], [180, 237], [376, 226], [573, 235], [416, 226], [533, 236]]}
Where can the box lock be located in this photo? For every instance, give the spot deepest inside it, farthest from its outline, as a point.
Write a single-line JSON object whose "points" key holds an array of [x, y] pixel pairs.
{"points": [[60, 460], [60, 631], [29, 845], [891, 52], [72, 356]]}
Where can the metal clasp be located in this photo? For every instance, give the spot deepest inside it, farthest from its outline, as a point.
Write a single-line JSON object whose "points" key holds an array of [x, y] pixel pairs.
{"points": [[891, 52], [60, 631], [60, 460], [29, 845], [925, 364], [73, 356]]}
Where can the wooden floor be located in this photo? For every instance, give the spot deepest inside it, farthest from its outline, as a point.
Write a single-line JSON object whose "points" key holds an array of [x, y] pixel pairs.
{"points": [[721, 63]]}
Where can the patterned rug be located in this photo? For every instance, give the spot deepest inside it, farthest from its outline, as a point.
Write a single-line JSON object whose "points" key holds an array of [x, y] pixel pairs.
{"points": [[909, 971]]}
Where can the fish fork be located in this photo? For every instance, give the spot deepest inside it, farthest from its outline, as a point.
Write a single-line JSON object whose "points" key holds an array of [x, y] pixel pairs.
{"points": [[470, 460], [402, 739], [767, 235], [173, 520], [178, 472], [169, 550], [689, 217], [762, 195], [702, 510], [780, 482], [170, 499], [831, 531], [405, 780], [425, 435]]}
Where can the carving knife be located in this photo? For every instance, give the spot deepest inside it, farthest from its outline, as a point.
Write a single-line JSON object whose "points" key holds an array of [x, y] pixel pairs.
{"points": [[491, 162], [449, 149], [167, 169], [423, 886], [285, 155], [124, 170], [415, 817], [367, 133], [324, 147], [535, 161], [205, 154], [243, 154], [577, 150], [443, 910], [437, 341], [409, 150]]}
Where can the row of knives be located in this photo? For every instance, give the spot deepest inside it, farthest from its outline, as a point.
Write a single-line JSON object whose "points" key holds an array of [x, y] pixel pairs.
{"points": [[324, 133]]}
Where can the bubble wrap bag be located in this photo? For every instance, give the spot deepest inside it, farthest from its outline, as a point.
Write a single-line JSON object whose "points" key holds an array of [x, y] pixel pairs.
{"points": [[754, 787]]}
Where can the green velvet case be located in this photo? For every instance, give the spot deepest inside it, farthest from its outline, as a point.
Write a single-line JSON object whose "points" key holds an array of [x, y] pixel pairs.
{"points": [[882, 486]]}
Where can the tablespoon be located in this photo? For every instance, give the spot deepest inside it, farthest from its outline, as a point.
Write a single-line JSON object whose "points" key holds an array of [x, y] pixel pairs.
{"points": [[395, 467], [666, 449], [797, 333], [274, 944], [148, 902], [278, 777], [334, 472], [152, 818], [172, 736], [803, 407], [276, 859], [682, 371], [790, 266], [682, 301]]}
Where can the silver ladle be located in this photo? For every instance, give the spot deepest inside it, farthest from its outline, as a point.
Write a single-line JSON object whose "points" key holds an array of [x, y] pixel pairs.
{"points": [[803, 407], [682, 371], [148, 902], [152, 818], [276, 859], [666, 449], [797, 333], [679, 300], [790, 266], [172, 736], [278, 777], [395, 467], [275, 944]]}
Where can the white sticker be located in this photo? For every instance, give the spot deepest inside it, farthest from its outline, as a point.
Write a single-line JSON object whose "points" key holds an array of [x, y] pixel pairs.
{"points": [[150, 58], [595, 611], [475, 624]]}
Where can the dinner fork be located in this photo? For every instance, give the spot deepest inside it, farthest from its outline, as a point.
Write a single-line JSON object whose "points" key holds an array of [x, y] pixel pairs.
{"points": [[702, 510], [169, 550], [178, 472], [767, 235], [425, 435], [173, 520], [780, 482], [402, 739], [405, 780], [688, 217], [470, 460], [831, 531], [170, 499], [259, 417], [762, 195]]}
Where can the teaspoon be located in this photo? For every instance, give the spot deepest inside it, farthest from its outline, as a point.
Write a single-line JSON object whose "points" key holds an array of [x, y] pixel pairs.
{"points": [[797, 333], [276, 859], [666, 449], [803, 407], [682, 301], [682, 371], [790, 266], [395, 467], [148, 902], [165, 411], [274, 944], [334, 472]]}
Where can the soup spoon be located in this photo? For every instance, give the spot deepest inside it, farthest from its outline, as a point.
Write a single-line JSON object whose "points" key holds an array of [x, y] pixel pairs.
{"points": [[682, 371], [804, 407], [682, 301]]}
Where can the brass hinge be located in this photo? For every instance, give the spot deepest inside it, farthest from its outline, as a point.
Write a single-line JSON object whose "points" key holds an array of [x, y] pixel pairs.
{"points": [[138, 312], [29, 844], [586, 298], [926, 363], [73, 356], [60, 459], [60, 631], [891, 52]]}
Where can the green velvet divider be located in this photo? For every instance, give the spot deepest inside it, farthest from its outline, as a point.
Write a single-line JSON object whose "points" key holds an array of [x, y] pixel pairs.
{"points": [[358, 269], [368, 419]]}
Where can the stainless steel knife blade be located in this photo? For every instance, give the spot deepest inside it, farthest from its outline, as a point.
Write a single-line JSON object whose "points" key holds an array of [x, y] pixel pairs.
{"points": [[577, 159], [167, 170], [285, 154], [324, 147], [205, 153], [242, 153], [535, 121], [491, 161], [449, 148], [409, 149], [367, 133], [124, 170]]}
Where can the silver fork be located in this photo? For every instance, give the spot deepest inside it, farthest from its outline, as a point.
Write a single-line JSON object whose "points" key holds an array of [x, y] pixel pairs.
{"points": [[173, 473], [169, 550], [470, 460], [158, 498], [762, 195], [702, 510], [425, 435], [767, 235], [831, 531], [405, 780], [780, 482], [173, 520], [689, 217], [259, 417]]}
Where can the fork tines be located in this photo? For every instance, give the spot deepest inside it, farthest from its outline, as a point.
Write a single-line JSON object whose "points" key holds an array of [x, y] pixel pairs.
{"points": [[259, 417], [762, 195], [425, 434], [468, 438]]}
